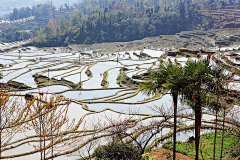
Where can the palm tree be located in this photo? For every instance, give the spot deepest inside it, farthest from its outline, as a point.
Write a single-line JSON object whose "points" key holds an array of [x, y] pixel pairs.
{"points": [[169, 76], [198, 77]]}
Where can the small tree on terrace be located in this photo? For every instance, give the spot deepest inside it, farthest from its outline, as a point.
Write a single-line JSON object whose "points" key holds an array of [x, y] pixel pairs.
{"points": [[216, 100]]}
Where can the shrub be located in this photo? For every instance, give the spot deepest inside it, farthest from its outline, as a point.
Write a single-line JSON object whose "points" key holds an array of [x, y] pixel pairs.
{"points": [[168, 145], [117, 151]]}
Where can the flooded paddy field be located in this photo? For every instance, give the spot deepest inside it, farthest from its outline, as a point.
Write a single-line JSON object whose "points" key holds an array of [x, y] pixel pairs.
{"points": [[95, 90]]}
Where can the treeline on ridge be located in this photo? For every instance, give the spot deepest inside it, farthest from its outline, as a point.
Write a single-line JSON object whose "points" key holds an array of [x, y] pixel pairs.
{"points": [[96, 21], [26, 22], [120, 21]]}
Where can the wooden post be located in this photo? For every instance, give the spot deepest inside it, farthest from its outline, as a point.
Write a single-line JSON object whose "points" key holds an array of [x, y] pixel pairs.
{"points": [[80, 80], [79, 58], [48, 74]]}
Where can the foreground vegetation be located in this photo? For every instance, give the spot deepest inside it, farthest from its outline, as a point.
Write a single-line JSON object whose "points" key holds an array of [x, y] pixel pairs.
{"points": [[231, 146]]}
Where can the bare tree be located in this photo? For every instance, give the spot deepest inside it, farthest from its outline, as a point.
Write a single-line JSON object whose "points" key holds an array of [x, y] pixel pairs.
{"points": [[134, 131], [12, 116], [52, 116]]}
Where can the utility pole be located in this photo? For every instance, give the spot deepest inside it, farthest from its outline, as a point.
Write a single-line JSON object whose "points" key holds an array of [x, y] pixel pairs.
{"points": [[19, 51], [48, 74], [52, 134], [79, 58], [80, 72], [80, 80], [117, 57]]}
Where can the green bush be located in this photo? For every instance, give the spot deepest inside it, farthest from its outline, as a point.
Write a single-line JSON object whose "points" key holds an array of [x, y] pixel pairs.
{"points": [[117, 151], [168, 145]]}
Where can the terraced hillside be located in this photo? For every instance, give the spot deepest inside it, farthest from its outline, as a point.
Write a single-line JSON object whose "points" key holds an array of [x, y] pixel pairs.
{"points": [[227, 17], [101, 89]]}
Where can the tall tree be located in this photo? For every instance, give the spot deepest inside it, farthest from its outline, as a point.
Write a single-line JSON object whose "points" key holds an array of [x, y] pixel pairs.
{"points": [[198, 76], [169, 76]]}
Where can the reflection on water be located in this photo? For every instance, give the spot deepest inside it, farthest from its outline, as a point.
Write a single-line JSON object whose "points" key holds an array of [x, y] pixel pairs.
{"points": [[66, 65]]}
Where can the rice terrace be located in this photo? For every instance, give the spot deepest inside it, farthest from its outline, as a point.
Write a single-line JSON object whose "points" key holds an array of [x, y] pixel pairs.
{"points": [[64, 102], [120, 79]]}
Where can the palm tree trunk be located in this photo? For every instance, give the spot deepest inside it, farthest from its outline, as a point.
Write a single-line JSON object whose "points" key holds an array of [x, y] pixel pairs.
{"points": [[198, 119], [175, 96], [1, 144]]}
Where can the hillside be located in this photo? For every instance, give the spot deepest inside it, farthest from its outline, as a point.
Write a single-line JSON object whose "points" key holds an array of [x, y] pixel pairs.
{"points": [[101, 21], [227, 17]]}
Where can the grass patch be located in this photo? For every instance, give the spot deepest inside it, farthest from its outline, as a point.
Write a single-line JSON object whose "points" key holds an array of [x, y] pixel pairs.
{"points": [[43, 81], [13, 85], [104, 81], [88, 73], [231, 146]]}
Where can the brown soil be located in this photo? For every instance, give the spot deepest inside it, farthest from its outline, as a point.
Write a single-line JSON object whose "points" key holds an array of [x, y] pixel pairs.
{"points": [[237, 158], [163, 154]]}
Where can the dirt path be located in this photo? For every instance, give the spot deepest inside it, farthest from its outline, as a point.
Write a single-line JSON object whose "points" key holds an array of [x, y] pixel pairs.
{"points": [[164, 154]]}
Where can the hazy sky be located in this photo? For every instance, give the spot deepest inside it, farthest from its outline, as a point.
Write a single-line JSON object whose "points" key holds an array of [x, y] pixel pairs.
{"points": [[22, 3], [6, 6]]}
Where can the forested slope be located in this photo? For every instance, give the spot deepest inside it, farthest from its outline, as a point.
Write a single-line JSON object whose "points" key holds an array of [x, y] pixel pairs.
{"points": [[96, 21]]}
